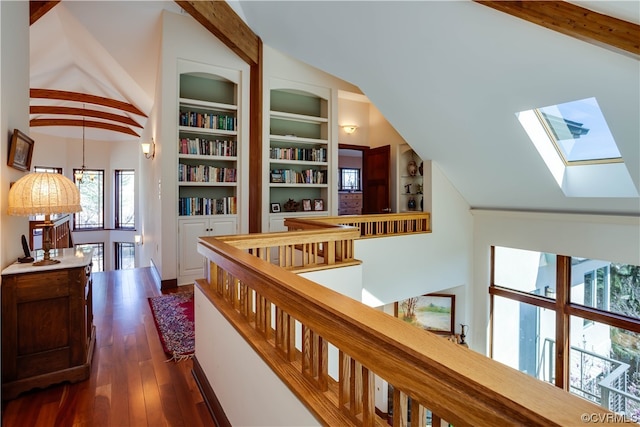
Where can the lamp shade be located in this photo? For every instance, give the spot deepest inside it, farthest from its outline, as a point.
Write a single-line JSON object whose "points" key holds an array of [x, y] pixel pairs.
{"points": [[43, 194]]}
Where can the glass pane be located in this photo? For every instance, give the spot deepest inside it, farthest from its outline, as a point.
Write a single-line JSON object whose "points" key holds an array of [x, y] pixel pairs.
{"points": [[98, 255], [527, 271], [125, 256], [92, 200], [604, 366], [125, 215], [607, 286], [524, 337], [580, 130]]}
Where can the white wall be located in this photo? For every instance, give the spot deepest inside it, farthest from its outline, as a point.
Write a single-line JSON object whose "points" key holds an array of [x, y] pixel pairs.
{"points": [[611, 238], [14, 114], [245, 404]]}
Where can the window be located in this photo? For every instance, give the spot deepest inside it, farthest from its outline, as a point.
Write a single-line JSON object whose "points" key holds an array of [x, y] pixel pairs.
{"points": [[47, 169], [91, 199], [97, 260], [579, 132], [125, 255], [577, 146], [349, 179], [125, 204], [602, 363]]}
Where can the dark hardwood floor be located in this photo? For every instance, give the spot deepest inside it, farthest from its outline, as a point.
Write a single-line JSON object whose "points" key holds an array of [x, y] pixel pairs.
{"points": [[131, 382]]}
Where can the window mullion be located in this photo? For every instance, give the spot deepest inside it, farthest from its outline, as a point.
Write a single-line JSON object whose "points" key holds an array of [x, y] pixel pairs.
{"points": [[563, 346]]}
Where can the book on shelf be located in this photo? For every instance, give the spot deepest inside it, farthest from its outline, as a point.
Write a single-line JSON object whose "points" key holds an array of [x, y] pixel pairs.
{"points": [[302, 154], [207, 120], [204, 173], [198, 206], [207, 147], [289, 176]]}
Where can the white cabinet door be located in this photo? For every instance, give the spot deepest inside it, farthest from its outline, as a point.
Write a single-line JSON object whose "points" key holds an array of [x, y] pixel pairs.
{"points": [[222, 227], [190, 261]]}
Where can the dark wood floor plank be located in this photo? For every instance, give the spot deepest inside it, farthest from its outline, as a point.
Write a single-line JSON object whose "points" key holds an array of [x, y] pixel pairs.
{"points": [[131, 382]]}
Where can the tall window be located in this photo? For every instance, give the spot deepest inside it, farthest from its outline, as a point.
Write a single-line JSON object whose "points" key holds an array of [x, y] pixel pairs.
{"points": [[600, 320], [125, 255], [125, 205], [91, 199], [97, 259]]}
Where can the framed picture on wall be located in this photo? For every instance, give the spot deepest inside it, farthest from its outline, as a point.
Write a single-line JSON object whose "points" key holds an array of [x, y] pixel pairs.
{"points": [[20, 151], [432, 312]]}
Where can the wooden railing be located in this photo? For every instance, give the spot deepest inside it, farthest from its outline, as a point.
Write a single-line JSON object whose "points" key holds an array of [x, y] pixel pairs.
{"points": [[60, 233], [378, 225], [264, 302], [300, 251]]}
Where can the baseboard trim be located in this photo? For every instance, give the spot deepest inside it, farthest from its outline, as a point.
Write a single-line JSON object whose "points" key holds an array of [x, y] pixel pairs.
{"points": [[168, 284], [210, 399]]}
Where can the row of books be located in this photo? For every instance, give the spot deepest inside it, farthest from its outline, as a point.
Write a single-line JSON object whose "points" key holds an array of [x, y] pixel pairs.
{"points": [[305, 154], [206, 147], [204, 173], [288, 176], [207, 121], [189, 206]]}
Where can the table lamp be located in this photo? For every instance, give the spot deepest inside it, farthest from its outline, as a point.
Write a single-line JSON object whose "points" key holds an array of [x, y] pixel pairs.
{"points": [[47, 194]]}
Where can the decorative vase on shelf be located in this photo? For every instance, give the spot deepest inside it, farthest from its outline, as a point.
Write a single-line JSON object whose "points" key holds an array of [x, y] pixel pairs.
{"points": [[411, 204], [420, 168], [412, 168]]}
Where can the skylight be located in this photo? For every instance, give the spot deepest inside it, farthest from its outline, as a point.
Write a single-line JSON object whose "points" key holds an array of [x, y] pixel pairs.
{"points": [[579, 132], [577, 146]]}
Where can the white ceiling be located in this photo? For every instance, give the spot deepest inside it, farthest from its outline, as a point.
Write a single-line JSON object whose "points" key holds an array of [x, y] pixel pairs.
{"points": [[448, 75]]}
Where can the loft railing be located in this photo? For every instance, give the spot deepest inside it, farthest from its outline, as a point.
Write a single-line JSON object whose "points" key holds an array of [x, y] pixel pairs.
{"points": [[301, 251], [264, 303], [378, 225]]}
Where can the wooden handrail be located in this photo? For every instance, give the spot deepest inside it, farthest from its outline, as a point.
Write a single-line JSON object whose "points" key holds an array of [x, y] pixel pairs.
{"points": [[373, 225], [60, 233], [455, 383], [300, 251]]}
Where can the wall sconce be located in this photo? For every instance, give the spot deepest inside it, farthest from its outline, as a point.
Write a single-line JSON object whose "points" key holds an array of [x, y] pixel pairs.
{"points": [[349, 129], [149, 149], [137, 239]]}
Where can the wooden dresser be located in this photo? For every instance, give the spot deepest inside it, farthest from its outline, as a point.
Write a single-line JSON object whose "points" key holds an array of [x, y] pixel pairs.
{"points": [[349, 203], [48, 334]]}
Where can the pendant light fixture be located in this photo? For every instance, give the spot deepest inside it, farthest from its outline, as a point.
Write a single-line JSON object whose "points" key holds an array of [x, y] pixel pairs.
{"points": [[80, 173]]}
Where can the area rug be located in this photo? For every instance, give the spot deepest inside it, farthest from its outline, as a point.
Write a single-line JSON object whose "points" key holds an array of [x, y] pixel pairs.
{"points": [[173, 316]]}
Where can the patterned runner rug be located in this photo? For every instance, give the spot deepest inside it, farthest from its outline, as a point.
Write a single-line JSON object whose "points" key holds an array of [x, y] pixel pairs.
{"points": [[173, 316]]}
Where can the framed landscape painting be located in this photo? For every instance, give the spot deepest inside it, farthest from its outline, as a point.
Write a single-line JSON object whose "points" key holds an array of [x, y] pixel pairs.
{"points": [[432, 312]]}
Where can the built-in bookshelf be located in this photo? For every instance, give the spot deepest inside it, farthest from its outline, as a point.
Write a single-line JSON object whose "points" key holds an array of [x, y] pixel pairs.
{"points": [[207, 146], [209, 160], [299, 151]]}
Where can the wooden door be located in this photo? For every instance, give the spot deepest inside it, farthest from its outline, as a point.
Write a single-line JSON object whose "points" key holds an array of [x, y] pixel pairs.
{"points": [[376, 171]]}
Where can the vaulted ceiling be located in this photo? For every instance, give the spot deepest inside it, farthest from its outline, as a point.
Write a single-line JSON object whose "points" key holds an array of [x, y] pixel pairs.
{"points": [[448, 75]]}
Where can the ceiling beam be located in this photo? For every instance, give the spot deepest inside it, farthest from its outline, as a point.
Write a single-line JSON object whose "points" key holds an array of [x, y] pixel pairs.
{"points": [[575, 21], [82, 123], [85, 98], [71, 111], [37, 9], [222, 21]]}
